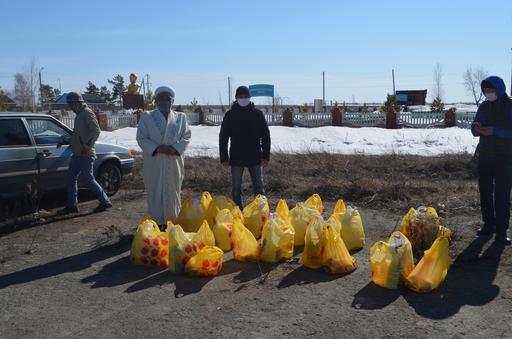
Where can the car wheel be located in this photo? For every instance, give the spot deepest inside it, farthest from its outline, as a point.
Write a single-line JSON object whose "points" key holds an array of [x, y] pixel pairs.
{"points": [[109, 177]]}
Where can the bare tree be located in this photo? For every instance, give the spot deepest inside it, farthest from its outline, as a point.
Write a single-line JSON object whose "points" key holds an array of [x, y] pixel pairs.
{"points": [[22, 91], [437, 90], [25, 86], [472, 80]]}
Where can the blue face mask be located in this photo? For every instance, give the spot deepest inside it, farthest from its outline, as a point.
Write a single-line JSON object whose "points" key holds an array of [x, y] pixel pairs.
{"points": [[243, 101], [491, 96]]}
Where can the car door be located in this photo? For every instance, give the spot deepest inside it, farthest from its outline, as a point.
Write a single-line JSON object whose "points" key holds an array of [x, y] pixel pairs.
{"points": [[53, 161], [18, 159]]}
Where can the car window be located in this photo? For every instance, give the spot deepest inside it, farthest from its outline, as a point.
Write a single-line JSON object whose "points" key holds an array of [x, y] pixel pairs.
{"points": [[46, 131], [13, 133]]}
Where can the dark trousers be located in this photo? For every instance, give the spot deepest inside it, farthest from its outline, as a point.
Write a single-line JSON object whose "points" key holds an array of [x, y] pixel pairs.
{"points": [[495, 183], [237, 173]]}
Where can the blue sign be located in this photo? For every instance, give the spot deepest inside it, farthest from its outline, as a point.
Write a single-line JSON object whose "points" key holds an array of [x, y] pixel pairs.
{"points": [[261, 90]]}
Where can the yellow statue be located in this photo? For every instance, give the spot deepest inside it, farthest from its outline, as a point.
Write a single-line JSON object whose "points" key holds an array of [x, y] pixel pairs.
{"points": [[134, 86]]}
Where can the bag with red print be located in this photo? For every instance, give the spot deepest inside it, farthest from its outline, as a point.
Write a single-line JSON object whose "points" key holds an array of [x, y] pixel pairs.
{"points": [[184, 246], [206, 263], [149, 245]]}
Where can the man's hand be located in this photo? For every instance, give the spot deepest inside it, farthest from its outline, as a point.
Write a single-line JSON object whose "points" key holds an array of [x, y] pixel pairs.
{"points": [[225, 164], [484, 131], [167, 150], [87, 151], [264, 163]]}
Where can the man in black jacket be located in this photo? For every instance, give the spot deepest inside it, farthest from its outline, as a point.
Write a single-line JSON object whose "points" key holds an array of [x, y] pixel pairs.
{"points": [[250, 143]]}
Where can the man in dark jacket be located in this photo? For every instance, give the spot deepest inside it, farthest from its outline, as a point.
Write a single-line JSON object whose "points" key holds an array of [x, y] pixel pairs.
{"points": [[493, 124], [250, 143], [85, 133]]}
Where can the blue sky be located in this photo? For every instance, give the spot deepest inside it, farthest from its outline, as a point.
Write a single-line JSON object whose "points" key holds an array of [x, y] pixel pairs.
{"points": [[195, 45]]}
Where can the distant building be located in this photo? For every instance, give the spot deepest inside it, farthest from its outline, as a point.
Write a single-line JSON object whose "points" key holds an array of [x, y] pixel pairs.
{"points": [[92, 100], [10, 105], [411, 97]]}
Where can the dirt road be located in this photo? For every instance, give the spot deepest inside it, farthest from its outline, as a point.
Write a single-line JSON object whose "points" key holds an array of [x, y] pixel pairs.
{"points": [[71, 277]]}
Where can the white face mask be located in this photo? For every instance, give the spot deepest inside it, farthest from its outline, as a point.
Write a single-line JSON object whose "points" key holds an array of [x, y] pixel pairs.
{"points": [[491, 96], [243, 101]]}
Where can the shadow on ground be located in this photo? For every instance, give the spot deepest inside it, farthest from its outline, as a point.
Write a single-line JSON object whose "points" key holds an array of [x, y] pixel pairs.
{"points": [[470, 281]]}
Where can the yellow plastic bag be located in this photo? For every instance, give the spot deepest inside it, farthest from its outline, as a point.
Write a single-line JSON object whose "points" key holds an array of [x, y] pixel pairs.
{"points": [[282, 210], [421, 227], [219, 202], [256, 215], [149, 245], [207, 262], [335, 257], [193, 212], [340, 207], [392, 261], [334, 222], [300, 216], [245, 246], [352, 230], [431, 271], [204, 236], [181, 248], [237, 214], [315, 202], [313, 246], [222, 229], [444, 232], [277, 240]]}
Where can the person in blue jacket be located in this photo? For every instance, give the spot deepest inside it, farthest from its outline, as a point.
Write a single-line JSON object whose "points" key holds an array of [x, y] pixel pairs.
{"points": [[493, 124]]}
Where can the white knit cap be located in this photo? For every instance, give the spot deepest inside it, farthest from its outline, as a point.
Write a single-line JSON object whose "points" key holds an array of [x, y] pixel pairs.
{"points": [[165, 89]]}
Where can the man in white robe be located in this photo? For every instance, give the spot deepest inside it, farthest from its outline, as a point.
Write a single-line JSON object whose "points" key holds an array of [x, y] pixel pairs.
{"points": [[163, 135]]}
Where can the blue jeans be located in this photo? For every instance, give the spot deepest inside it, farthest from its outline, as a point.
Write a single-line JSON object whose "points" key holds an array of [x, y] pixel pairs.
{"points": [[237, 175], [495, 184], [83, 165]]}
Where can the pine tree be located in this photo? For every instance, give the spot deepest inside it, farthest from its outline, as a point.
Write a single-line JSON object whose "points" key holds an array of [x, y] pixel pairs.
{"points": [[391, 101], [105, 94], [118, 88], [92, 89], [437, 105]]}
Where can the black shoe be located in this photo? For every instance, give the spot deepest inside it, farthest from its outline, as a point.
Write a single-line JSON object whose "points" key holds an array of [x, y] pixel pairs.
{"points": [[503, 240], [102, 208], [68, 210], [485, 231]]}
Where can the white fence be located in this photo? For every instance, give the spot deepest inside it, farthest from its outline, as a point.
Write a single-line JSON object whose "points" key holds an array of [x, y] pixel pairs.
{"points": [[366, 119], [315, 119]]}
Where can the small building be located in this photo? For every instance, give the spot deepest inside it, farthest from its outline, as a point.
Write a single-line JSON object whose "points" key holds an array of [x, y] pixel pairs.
{"points": [[411, 97], [94, 101], [9, 104]]}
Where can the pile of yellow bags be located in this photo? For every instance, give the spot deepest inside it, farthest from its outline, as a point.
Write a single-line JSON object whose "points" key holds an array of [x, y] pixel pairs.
{"points": [[392, 262], [207, 226]]}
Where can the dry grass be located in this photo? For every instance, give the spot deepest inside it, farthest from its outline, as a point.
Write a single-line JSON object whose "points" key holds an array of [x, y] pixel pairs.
{"points": [[391, 181]]}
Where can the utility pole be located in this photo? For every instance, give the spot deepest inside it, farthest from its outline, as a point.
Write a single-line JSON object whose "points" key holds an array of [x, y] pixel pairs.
{"points": [[60, 88], [393, 75], [41, 90], [511, 77], [147, 82], [323, 90]]}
